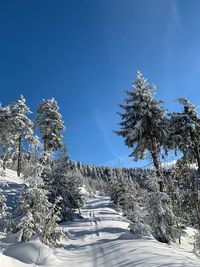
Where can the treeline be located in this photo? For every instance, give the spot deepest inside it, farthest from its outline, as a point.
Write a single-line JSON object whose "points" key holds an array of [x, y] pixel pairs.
{"points": [[106, 173]]}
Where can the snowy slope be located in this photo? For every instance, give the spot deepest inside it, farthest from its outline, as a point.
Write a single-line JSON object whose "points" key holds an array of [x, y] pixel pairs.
{"points": [[11, 186], [100, 239]]}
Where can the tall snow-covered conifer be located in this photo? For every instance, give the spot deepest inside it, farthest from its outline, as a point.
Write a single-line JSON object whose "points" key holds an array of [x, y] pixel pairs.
{"points": [[21, 127], [50, 124], [143, 123], [185, 136]]}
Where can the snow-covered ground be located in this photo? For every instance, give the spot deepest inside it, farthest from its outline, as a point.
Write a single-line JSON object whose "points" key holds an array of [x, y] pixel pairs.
{"points": [[100, 239]]}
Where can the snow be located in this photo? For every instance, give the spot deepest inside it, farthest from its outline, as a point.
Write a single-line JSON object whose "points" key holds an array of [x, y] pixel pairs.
{"points": [[11, 185], [99, 239]]}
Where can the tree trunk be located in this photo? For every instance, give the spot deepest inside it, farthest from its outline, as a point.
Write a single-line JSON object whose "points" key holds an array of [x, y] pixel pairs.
{"points": [[47, 151], [154, 150], [156, 164], [45, 143], [197, 188], [19, 156]]}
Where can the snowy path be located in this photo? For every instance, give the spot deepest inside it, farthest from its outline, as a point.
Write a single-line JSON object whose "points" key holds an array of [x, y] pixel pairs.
{"points": [[102, 240]]}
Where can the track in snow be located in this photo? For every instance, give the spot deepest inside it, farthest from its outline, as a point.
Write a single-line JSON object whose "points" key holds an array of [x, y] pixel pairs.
{"points": [[101, 240]]}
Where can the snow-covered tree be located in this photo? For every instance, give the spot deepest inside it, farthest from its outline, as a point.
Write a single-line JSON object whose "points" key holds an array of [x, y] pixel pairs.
{"points": [[21, 128], [3, 207], [136, 211], [67, 187], [50, 124], [143, 125], [163, 222], [33, 208], [185, 130], [34, 211], [6, 140], [50, 235], [185, 136], [127, 196], [137, 224]]}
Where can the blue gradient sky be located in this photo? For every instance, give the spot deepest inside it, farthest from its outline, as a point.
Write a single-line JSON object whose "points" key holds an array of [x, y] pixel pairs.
{"points": [[86, 52]]}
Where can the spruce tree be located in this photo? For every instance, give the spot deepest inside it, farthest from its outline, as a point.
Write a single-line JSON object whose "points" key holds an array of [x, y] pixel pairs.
{"points": [[185, 136], [143, 124]]}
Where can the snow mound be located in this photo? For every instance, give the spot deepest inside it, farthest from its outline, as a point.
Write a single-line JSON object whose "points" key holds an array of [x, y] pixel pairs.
{"points": [[9, 262], [31, 252]]}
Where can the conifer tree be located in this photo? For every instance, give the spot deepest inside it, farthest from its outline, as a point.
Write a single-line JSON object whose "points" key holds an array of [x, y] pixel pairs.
{"points": [[6, 138], [3, 207], [50, 124], [50, 235], [67, 187], [21, 127], [143, 125], [185, 136]]}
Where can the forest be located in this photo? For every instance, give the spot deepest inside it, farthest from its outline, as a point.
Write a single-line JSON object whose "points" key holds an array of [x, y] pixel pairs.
{"points": [[155, 200]]}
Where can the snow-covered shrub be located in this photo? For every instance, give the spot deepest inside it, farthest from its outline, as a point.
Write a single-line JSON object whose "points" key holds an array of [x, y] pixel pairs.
{"points": [[139, 228]]}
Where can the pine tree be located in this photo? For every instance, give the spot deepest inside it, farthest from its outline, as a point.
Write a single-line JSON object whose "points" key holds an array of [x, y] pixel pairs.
{"points": [[21, 127], [6, 140], [50, 124], [143, 123]]}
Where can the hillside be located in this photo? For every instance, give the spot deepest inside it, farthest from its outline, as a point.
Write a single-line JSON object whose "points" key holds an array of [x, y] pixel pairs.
{"points": [[99, 238]]}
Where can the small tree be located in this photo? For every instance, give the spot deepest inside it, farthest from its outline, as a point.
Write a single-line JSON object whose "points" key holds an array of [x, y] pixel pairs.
{"points": [[3, 206], [50, 235], [67, 187], [164, 224], [34, 211]]}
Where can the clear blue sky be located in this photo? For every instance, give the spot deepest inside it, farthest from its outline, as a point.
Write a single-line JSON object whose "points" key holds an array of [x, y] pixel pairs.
{"points": [[86, 52]]}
